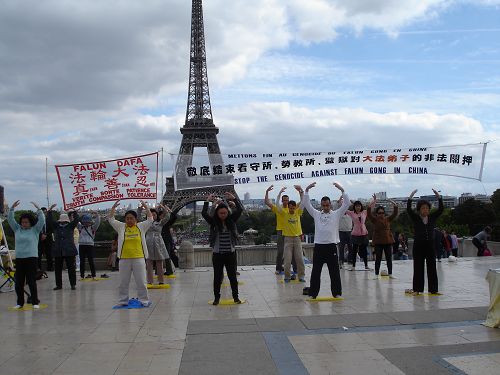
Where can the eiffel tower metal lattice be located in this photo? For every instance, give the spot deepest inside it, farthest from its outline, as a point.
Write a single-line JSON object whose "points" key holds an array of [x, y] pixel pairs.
{"points": [[198, 131]]}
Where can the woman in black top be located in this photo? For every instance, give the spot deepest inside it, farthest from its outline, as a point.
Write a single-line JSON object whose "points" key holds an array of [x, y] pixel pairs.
{"points": [[424, 251], [223, 238]]}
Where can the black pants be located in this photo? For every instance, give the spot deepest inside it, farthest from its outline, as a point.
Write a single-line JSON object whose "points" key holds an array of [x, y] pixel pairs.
{"points": [[87, 251], [168, 267], [423, 252], [26, 269], [325, 253], [479, 246], [45, 248], [70, 264], [361, 249], [387, 250], [345, 240], [219, 261]]}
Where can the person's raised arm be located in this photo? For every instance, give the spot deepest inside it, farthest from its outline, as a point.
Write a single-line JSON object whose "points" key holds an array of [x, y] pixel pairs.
{"points": [[163, 216], [409, 209], [97, 221], [111, 213], [307, 201], [267, 201], [50, 219], [301, 194], [11, 219], [369, 209], [440, 204], [346, 202], [41, 218], [204, 212], [238, 208], [75, 221], [395, 210], [278, 199], [149, 214]]}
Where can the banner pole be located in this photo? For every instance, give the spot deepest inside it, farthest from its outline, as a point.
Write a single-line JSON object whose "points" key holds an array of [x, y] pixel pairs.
{"points": [[162, 182], [47, 180], [482, 162]]}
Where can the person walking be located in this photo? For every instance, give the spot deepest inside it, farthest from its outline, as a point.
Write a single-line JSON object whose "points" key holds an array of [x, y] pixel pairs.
{"points": [[424, 252], [382, 238], [26, 236], [223, 238], [64, 246], [359, 235], [87, 228], [326, 237], [132, 252]]}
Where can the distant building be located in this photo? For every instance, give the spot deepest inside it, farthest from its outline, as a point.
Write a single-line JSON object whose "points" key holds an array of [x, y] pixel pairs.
{"points": [[246, 196], [479, 197]]}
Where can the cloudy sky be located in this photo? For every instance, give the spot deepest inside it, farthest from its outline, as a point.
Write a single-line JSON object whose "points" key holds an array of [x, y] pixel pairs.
{"points": [[89, 80]]}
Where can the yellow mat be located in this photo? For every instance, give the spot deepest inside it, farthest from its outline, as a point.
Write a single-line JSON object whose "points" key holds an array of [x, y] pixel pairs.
{"points": [[228, 284], [166, 277], [325, 299], [157, 286], [29, 307], [297, 281], [423, 294], [94, 279], [228, 302]]}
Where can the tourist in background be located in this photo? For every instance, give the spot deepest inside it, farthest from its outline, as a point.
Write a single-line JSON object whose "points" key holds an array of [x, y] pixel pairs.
{"points": [[454, 244], [480, 240], [424, 252], [382, 238], [26, 237]]}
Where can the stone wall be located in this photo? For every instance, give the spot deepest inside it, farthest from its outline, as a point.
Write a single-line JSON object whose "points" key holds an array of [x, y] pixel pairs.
{"points": [[254, 255]]}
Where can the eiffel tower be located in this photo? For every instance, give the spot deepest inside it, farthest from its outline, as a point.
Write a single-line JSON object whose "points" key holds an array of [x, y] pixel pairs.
{"points": [[198, 131]]}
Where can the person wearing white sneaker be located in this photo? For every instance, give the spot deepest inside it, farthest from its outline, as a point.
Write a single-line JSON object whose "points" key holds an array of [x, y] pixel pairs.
{"points": [[382, 237], [26, 236], [36, 307], [132, 252]]}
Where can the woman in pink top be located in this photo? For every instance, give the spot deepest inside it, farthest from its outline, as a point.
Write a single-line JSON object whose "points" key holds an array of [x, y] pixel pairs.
{"points": [[359, 235]]}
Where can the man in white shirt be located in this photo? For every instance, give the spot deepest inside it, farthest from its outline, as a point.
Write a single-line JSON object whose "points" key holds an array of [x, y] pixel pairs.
{"points": [[326, 237]]}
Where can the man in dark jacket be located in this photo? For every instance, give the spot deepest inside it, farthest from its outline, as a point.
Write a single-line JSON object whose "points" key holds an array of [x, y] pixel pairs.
{"points": [[64, 248]]}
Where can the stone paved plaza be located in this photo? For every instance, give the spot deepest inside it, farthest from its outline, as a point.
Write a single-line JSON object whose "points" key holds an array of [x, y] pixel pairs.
{"points": [[376, 329]]}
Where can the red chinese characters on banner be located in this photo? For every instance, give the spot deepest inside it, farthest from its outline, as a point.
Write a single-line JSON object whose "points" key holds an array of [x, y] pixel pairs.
{"points": [[127, 178]]}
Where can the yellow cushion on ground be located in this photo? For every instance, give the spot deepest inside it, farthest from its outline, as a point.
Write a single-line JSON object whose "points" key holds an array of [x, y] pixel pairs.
{"points": [[325, 299], [157, 286], [227, 302], [291, 281], [29, 307], [228, 284], [95, 279], [423, 294], [166, 277]]}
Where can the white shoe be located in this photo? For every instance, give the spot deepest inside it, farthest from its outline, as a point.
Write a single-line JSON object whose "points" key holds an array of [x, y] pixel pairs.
{"points": [[351, 268], [17, 307], [392, 277], [36, 307], [375, 277]]}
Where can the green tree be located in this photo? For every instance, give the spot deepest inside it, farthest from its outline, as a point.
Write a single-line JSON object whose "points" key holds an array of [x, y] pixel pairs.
{"points": [[474, 214], [495, 200]]}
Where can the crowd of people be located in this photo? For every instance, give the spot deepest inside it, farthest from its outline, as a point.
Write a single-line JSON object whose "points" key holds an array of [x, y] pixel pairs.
{"points": [[69, 236], [142, 246]]}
